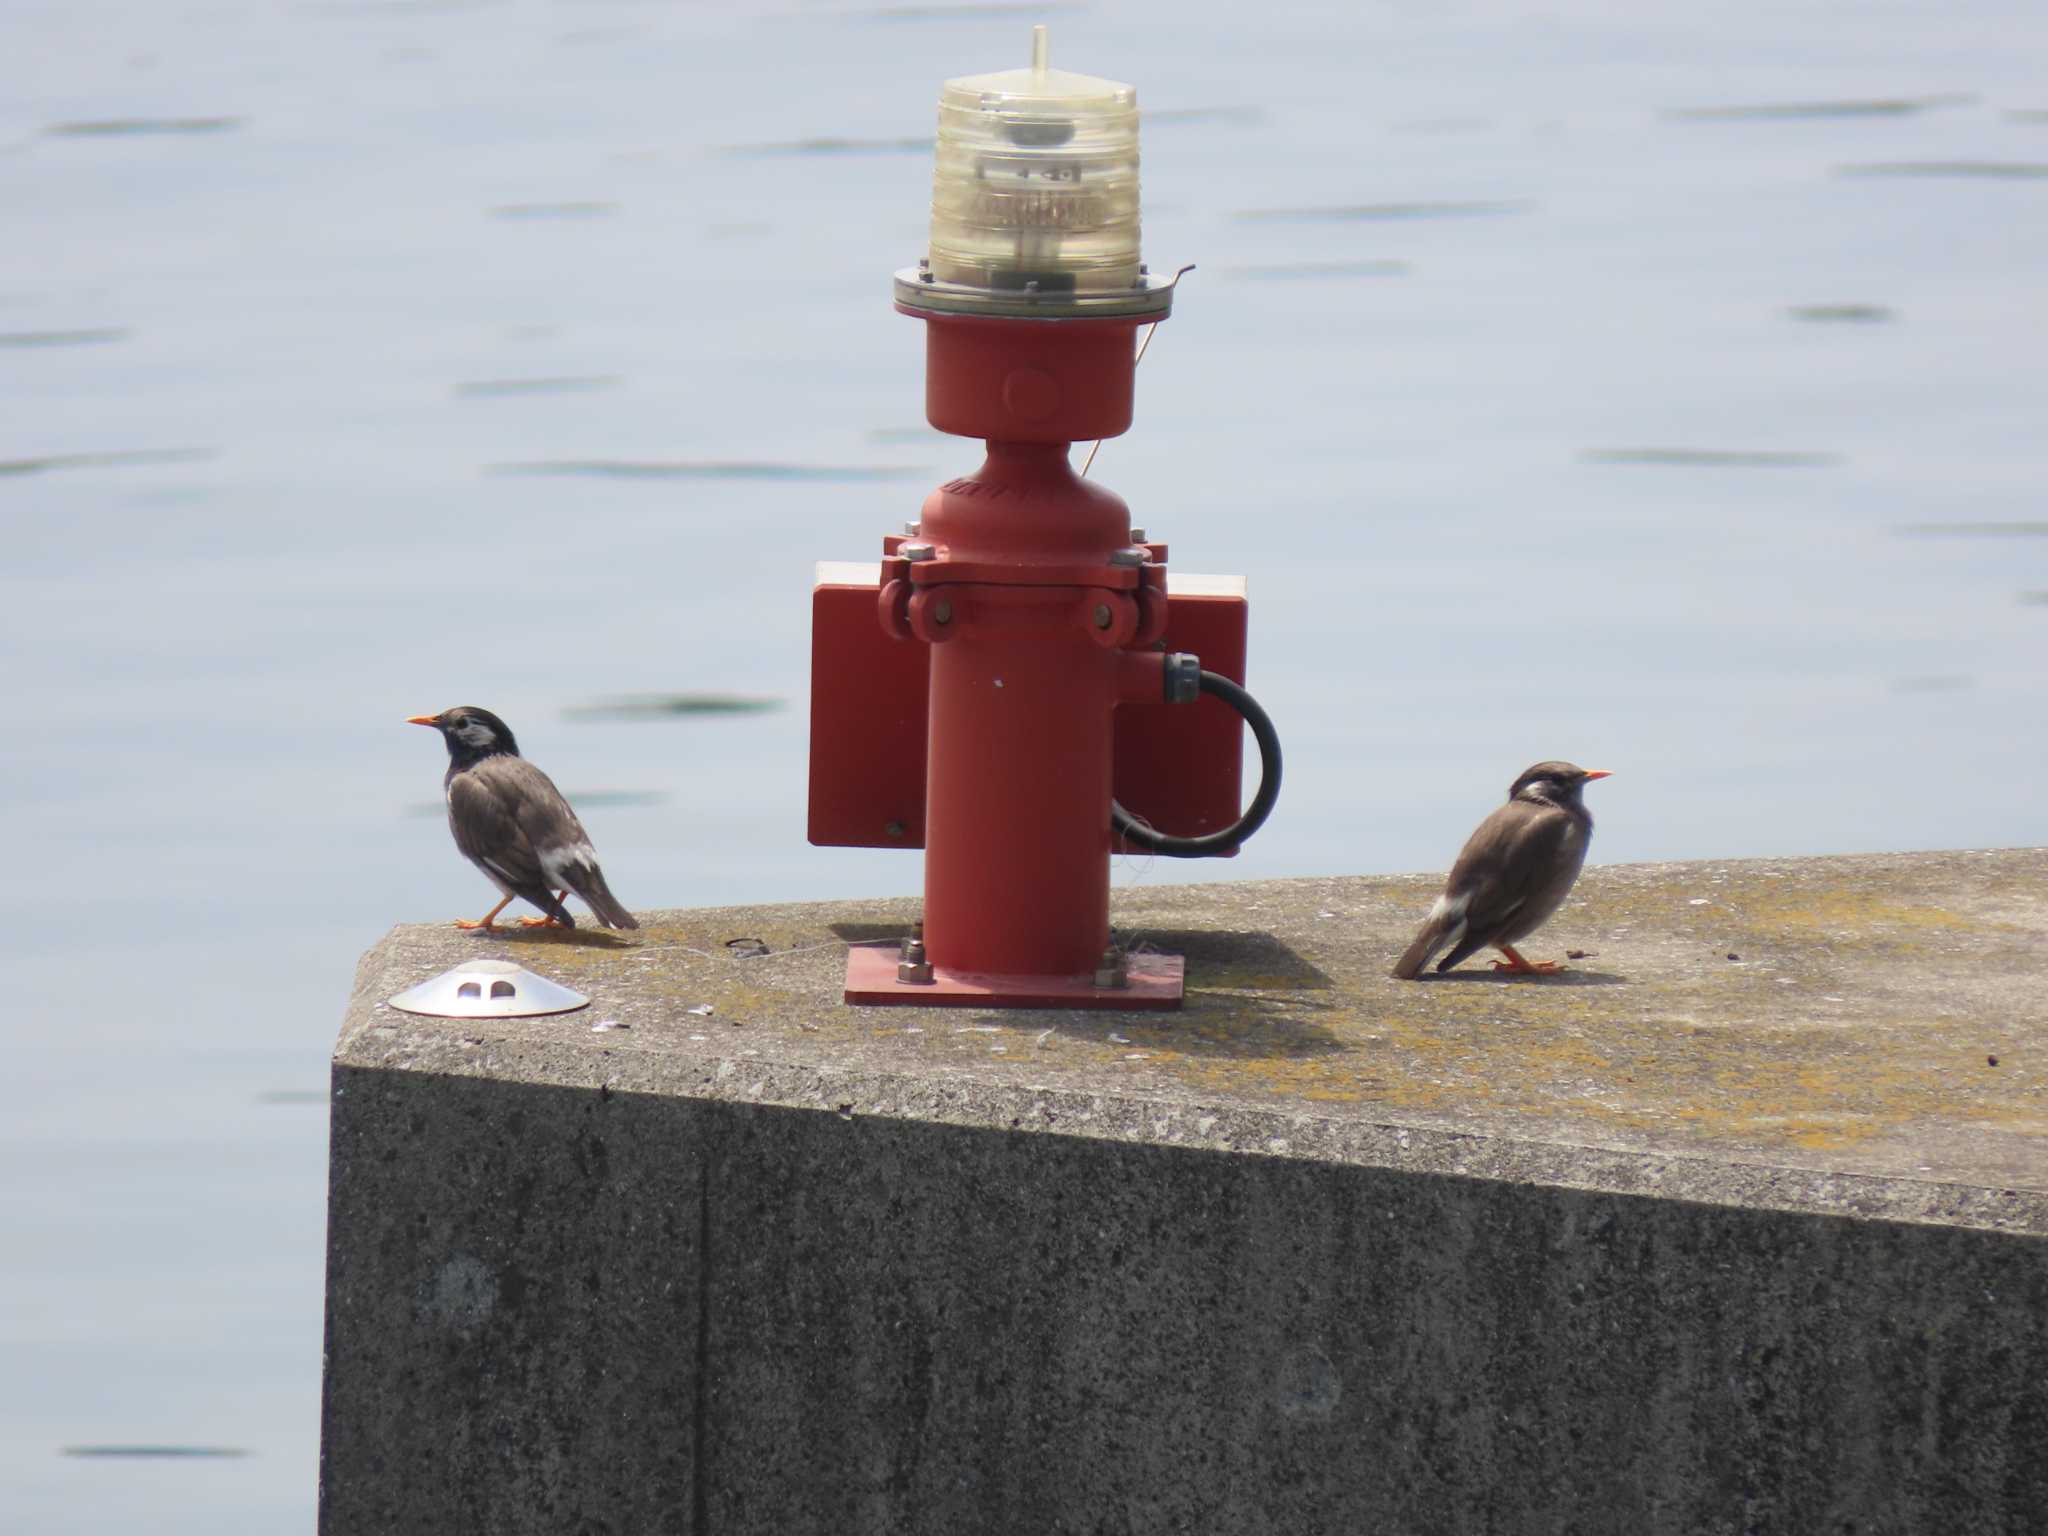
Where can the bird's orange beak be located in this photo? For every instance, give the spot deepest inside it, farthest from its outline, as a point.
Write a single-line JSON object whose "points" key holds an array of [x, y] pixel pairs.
{"points": [[1591, 773], [422, 719]]}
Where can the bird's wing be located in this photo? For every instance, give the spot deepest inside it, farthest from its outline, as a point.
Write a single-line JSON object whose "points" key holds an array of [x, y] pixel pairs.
{"points": [[1507, 863], [551, 829], [546, 823], [485, 822]]}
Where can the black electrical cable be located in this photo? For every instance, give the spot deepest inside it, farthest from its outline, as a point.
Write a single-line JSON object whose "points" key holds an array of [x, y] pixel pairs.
{"points": [[1227, 838]]}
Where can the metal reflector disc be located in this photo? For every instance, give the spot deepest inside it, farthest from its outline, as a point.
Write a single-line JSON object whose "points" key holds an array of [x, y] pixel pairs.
{"points": [[488, 989]]}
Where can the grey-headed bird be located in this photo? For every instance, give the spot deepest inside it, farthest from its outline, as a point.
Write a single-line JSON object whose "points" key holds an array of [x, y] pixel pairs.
{"points": [[1515, 871], [511, 822]]}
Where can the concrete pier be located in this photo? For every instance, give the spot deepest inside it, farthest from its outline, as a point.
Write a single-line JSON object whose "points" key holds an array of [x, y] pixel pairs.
{"points": [[1739, 1225]]}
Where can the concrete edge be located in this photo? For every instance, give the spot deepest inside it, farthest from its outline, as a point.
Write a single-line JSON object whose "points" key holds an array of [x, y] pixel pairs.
{"points": [[484, 1050]]}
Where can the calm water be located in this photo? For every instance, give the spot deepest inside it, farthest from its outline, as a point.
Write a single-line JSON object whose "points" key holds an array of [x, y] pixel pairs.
{"points": [[1555, 401]]}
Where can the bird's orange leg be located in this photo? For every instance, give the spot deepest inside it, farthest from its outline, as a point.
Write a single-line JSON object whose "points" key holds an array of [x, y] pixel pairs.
{"points": [[483, 922], [1515, 965], [550, 921]]}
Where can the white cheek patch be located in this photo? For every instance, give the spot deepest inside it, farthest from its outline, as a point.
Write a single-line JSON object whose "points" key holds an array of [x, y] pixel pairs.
{"points": [[1449, 906], [475, 733]]}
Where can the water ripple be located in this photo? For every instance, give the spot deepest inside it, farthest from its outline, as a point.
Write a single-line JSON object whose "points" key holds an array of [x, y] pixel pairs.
{"points": [[589, 209], [60, 338], [1934, 682], [1861, 314], [2019, 530], [647, 706], [1712, 458], [1886, 106], [135, 127], [104, 460], [1973, 170], [708, 469], [1337, 212], [919, 145], [971, 12], [567, 384], [1289, 271], [1156, 115]]}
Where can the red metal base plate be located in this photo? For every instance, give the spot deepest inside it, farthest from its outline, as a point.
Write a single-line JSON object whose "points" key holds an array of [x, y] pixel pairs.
{"points": [[1154, 981]]}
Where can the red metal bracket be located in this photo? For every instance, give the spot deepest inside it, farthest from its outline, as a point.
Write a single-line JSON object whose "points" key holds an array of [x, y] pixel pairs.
{"points": [[1177, 765]]}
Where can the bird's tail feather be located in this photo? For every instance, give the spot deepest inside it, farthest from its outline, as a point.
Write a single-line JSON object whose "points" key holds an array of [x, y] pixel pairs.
{"points": [[601, 901], [1434, 935]]}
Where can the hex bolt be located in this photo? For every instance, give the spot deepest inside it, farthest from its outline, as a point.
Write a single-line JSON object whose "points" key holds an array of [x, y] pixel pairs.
{"points": [[1130, 555], [1102, 616], [1137, 535], [914, 969], [918, 552], [1109, 971], [913, 528]]}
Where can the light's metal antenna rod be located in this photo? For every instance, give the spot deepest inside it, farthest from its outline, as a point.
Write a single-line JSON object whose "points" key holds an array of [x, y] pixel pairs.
{"points": [[1151, 331], [1089, 463]]}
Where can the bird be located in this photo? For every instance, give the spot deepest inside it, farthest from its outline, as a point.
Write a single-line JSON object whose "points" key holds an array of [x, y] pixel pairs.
{"points": [[1515, 870], [511, 822]]}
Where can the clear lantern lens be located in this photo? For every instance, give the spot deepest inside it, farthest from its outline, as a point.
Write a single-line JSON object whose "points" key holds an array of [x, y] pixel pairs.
{"points": [[1036, 186]]}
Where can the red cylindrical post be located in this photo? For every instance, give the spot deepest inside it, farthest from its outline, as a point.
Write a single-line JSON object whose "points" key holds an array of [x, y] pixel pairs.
{"points": [[1024, 671], [1022, 580], [1016, 874]]}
